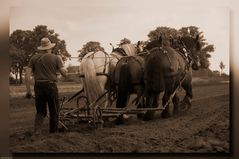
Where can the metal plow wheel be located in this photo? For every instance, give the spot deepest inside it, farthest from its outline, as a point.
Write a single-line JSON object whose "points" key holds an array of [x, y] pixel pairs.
{"points": [[94, 114], [72, 115], [84, 112]]}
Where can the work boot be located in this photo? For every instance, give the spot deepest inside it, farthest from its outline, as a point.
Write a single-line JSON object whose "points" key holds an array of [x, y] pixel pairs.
{"points": [[39, 119]]}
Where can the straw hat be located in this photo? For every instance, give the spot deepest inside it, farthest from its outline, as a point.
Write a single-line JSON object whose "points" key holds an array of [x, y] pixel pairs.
{"points": [[46, 44]]}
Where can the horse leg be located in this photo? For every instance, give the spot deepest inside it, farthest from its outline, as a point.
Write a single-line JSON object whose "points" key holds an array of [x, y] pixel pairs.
{"points": [[148, 95], [187, 86], [155, 100], [175, 104], [140, 102], [155, 103], [107, 102], [151, 104], [166, 97], [109, 99], [139, 92]]}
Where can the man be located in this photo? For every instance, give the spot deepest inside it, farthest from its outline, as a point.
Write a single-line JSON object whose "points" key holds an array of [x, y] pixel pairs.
{"points": [[44, 66]]}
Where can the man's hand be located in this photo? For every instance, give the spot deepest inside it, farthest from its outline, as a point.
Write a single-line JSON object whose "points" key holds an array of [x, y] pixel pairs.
{"points": [[63, 72]]}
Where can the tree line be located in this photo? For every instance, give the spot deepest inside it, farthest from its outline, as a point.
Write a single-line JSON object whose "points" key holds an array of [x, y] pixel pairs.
{"points": [[23, 44]]}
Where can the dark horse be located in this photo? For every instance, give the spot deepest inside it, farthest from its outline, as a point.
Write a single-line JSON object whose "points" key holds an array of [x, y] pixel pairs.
{"points": [[129, 79], [166, 69]]}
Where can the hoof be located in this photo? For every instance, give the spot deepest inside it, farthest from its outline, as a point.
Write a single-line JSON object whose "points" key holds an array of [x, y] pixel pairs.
{"points": [[165, 114], [28, 96], [187, 101], [175, 112], [119, 120], [148, 116], [184, 106], [62, 129], [140, 115], [125, 116]]}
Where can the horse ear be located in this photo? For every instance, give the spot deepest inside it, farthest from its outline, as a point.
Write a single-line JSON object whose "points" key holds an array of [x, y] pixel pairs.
{"points": [[138, 43], [160, 40], [197, 37]]}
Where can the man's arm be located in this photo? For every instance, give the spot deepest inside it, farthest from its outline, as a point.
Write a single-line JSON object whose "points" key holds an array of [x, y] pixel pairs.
{"points": [[61, 67], [28, 73], [63, 71]]}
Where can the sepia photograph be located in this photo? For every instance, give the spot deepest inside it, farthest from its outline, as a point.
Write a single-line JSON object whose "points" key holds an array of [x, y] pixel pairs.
{"points": [[114, 77]]}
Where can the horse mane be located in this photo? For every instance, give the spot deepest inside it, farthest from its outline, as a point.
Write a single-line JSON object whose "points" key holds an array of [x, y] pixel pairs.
{"points": [[120, 51], [159, 42], [153, 44], [190, 42]]}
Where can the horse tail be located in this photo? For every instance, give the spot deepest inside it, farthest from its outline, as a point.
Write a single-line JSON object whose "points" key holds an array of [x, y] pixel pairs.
{"points": [[123, 86], [90, 82]]}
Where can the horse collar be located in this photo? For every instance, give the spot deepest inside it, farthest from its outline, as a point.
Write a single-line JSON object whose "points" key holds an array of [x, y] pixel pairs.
{"points": [[164, 51]]}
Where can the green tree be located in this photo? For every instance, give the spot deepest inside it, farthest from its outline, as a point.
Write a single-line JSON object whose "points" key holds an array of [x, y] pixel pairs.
{"points": [[24, 43], [222, 67], [125, 41], [166, 33], [90, 46], [17, 61], [190, 31], [41, 31]]}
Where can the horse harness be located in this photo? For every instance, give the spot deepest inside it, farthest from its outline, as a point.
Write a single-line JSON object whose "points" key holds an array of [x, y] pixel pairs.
{"points": [[178, 73], [185, 52], [107, 56], [105, 64]]}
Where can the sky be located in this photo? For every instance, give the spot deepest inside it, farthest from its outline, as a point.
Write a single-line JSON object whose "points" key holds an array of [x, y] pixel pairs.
{"points": [[110, 22]]}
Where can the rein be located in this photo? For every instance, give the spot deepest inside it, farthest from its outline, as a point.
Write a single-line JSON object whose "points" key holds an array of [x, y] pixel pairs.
{"points": [[186, 59]]}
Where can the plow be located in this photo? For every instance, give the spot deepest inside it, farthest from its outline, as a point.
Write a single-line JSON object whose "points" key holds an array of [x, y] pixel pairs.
{"points": [[95, 113]]}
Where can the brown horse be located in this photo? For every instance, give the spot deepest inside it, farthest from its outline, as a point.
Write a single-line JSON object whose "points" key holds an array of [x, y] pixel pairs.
{"points": [[166, 69], [128, 79], [115, 56]]}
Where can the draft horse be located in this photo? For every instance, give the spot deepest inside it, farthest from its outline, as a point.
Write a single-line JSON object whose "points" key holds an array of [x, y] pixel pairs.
{"points": [[128, 79], [97, 69], [167, 69]]}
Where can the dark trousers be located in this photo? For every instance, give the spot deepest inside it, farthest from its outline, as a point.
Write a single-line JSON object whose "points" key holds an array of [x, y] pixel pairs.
{"points": [[46, 93]]}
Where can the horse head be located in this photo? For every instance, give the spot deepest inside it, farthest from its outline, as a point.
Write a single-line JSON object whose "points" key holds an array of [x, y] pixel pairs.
{"points": [[119, 51], [140, 46], [154, 43], [193, 47]]}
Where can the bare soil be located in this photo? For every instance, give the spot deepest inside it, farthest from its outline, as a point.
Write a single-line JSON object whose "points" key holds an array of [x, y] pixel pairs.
{"points": [[204, 128]]}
